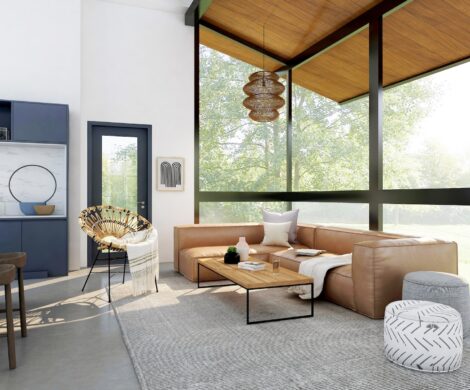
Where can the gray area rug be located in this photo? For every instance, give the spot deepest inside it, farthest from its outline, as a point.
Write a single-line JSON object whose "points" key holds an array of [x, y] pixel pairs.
{"points": [[189, 338]]}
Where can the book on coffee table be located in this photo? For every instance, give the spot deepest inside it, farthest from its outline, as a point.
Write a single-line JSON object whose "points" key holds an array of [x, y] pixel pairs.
{"points": [[252, 265], [309, 252]]}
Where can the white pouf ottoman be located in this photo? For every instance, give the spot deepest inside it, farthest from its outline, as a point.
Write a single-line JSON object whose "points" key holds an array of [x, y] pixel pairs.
{"points": [[423, 336]]}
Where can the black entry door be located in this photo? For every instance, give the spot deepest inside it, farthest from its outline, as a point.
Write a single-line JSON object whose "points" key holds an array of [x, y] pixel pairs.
{"points": [[120, 169]]}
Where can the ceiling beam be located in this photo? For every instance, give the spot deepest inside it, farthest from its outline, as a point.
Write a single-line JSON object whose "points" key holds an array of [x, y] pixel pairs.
{"points": [[189, 14], [242, 41], [410, 79], [200, 6], [345, 31]]}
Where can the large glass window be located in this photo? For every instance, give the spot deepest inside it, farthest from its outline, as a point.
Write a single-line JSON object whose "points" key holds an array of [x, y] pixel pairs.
{"points": [[446, 222], [427, 132], [330, 118], [330, 143], [219, 212], [351, 215], [236, 153]]}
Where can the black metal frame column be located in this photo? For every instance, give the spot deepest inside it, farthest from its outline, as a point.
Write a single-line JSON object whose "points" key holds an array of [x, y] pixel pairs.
{"points": [[375, 123], [196, 116], [289, 137]]}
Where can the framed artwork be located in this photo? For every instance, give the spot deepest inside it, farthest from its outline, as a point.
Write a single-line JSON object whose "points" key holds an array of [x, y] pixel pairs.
{"points": [[170, 174]]}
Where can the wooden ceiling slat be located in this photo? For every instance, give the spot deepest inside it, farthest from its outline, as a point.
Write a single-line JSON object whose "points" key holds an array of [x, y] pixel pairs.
{"points": [[421, 36], [290, 26], [234, 49], [425, 35]]}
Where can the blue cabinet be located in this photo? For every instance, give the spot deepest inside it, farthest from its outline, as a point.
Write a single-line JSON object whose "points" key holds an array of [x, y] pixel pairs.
{"points": [[10, 236], [45, 242], [39, 122], [43, 239]]}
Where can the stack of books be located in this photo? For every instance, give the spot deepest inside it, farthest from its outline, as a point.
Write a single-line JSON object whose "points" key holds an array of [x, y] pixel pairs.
{"points": [[252, 265]]}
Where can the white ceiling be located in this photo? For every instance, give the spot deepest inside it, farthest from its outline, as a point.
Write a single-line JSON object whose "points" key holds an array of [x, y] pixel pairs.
{"points": [[174, 6]]}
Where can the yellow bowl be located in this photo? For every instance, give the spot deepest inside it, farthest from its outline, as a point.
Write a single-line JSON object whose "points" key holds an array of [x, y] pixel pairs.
{"points": [[44, 209]]}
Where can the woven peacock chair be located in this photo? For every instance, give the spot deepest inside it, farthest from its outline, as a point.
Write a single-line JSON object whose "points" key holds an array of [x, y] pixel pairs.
{"points": [[100, 222]]}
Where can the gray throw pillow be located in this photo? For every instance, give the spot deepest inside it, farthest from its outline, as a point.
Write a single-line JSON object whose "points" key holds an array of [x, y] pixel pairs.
{"points": [[288, 216]]}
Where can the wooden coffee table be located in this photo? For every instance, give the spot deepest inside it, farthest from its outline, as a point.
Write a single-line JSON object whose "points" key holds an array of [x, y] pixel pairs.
{"points": [[255, 280]]}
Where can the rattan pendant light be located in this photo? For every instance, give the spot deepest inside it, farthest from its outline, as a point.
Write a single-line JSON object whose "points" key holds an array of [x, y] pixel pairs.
{"points": [[263, 90]]}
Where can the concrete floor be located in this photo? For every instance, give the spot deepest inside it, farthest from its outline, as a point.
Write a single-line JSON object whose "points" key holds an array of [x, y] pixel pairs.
{"points": [[74, 340]]}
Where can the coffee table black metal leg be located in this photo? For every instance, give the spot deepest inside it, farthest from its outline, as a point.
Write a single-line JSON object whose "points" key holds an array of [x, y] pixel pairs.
{"points": [[212, 285], [247, 306], [276, 319]]}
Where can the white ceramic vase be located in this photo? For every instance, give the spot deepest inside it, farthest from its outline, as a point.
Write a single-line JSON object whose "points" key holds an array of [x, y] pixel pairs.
{"points": [[243, 249]]}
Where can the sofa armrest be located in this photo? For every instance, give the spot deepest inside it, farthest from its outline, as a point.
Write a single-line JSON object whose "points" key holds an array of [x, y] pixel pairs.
{"points": [[192, 236], [378, 268]]}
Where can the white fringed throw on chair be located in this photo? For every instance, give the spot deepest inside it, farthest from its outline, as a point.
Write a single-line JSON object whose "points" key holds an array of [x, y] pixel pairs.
{"points": [[142, 252], [143, 263]]}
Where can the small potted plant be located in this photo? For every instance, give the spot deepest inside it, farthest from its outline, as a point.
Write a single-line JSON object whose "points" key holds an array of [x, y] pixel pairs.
{"points": [[231, 257]]}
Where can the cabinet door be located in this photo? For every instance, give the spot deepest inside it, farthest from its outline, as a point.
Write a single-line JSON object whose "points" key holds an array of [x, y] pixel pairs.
{"points": [[10, 236], [45, 243], [39, 122]]}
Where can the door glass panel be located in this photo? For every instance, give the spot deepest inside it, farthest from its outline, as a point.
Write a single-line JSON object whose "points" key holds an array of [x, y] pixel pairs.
{"points": [[119, 172]]}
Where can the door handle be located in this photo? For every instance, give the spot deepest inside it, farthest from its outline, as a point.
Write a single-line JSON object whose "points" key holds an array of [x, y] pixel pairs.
{"points": [[142, 204]]}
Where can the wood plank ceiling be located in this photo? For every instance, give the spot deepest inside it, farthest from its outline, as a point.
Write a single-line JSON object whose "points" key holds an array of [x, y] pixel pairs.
{"points": [[419, 37]]}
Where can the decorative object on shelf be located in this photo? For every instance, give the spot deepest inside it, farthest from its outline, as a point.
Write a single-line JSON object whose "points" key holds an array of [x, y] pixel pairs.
{"points": [[27, 208], [4, 134], [47, 209], [231, 257], [170, 174], [243, 248], [264, 90]]}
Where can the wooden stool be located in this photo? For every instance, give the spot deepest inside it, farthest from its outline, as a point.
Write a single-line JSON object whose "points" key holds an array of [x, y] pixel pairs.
{"points": [[18, 259], [7, 275]]}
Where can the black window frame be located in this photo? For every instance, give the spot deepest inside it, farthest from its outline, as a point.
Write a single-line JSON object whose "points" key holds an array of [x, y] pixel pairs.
{"points": [[376, 196]]}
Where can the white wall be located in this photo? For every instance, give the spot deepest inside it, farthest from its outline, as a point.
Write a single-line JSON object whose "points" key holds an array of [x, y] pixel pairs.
{"points": [[41, 62], [110, 62], [137, 67]]}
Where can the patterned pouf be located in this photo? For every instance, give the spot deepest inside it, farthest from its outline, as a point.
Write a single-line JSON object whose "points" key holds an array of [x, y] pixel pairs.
{"points": [[423, 336], [440, 287]]}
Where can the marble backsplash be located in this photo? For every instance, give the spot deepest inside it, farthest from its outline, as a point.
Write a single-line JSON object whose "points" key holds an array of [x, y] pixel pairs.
{"points": [[32, 184]]}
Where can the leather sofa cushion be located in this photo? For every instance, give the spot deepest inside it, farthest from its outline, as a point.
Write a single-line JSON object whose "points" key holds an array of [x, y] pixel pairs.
{"points": [[188, 258], [306, 235], [338, 287], [291, 261], [341, 241]]}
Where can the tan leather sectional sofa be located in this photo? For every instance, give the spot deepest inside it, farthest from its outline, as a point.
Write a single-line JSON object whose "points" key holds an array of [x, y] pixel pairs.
{"points": [[374, 279]]}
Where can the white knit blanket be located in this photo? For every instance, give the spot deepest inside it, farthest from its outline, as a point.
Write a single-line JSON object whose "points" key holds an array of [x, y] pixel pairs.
{"points": [[317, 269], [142, 252]]}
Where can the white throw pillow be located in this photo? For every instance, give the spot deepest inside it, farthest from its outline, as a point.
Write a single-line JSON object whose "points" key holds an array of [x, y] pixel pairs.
{"points": [[276, 234]]}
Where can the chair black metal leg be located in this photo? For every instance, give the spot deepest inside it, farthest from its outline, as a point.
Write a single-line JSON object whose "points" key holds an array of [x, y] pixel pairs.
{"points": [[156, 284], [91, 270], [124, 272], [109, 276]]}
